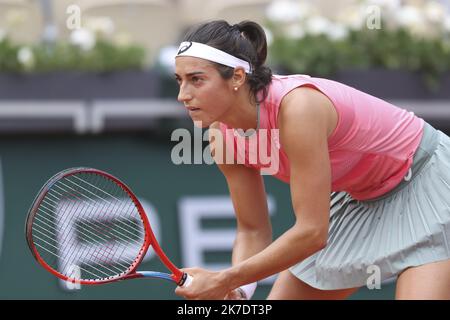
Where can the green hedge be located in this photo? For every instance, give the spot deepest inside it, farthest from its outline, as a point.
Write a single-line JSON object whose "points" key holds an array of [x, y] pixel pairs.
{"points": [[363, 49], [103, 57]]}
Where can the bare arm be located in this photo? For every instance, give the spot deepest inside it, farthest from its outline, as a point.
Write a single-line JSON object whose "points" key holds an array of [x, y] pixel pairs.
{"points": [[246, 188], [305, 123]]}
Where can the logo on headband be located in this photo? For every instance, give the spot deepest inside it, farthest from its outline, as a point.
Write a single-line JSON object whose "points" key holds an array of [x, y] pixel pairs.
{"points": [[185, 48]]}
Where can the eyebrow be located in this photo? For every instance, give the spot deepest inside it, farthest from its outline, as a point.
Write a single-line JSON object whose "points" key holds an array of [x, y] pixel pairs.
{"points": [[190, 74]]}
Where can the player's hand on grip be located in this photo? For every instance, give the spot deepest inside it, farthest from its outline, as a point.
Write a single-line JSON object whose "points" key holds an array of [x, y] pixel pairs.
{"points": [[204, 285]]}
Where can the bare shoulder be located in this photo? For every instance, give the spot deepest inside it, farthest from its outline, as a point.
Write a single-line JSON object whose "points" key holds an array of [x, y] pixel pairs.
{"points": [[308, 107]]}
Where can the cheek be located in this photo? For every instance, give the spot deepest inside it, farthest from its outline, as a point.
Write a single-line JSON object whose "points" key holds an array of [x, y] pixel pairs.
{"points": [[218, 101]]}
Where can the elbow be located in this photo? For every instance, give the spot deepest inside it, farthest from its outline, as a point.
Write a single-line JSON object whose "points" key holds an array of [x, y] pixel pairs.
{"points": [[321, 243], [316, 237], [262, 233], [319, 240], [261, 228]]}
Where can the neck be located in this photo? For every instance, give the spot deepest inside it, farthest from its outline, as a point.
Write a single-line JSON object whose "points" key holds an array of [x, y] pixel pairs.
{"points": [[243, 115]]}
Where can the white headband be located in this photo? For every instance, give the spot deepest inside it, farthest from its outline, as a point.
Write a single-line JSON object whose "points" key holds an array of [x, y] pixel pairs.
{"points": [[203, 51]]}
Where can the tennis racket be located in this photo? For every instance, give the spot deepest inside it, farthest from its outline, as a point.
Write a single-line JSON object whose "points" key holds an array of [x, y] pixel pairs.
{"points": [[86, 226]]}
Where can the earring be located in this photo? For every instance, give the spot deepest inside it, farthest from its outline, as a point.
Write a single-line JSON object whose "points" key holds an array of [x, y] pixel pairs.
{"points": [[235, 88]]}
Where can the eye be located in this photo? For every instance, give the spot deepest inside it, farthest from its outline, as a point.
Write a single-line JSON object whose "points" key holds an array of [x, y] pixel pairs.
{"points": [[196, 79]]}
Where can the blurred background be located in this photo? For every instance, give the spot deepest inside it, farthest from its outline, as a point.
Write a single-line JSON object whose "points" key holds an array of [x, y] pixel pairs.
{"points": [[90, 83]]}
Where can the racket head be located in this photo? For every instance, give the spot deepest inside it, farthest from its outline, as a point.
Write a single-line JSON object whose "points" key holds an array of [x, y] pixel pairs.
{"points": [[86, 226]]}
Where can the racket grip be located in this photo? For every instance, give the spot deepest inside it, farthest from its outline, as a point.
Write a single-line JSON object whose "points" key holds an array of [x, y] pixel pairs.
{"points": [[249, 290], [186, 281]]}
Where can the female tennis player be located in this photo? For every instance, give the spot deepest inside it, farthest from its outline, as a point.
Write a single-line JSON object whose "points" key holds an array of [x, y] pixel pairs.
{"points": [[369, 182]]}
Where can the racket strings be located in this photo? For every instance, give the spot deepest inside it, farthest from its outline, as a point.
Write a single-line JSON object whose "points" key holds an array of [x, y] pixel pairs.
{"points": [[123, 266], [95, 227], [139, 226], [44, 216], [54, 247], [89, 222], [113, 207], [90, 236]]}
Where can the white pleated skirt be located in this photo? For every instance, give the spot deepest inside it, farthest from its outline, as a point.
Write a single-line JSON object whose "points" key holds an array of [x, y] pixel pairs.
{"points": [[409, 226]]}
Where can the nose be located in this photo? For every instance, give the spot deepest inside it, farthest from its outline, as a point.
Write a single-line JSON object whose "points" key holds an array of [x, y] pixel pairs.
{"points": [[184, 95]]}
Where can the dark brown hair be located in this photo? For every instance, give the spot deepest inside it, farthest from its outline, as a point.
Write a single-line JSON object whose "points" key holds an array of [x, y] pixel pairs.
{"points": [[245, 40]]}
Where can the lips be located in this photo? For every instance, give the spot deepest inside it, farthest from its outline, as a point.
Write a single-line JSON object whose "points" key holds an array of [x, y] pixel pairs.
{"points": [[192, 108]]}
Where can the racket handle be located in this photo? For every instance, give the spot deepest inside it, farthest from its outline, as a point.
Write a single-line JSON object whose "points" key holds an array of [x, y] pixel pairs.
{"points": [[249, 290], [186, 281]]}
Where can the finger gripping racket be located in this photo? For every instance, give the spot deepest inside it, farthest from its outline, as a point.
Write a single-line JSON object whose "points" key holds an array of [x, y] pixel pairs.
{"points": [[86, 226]]}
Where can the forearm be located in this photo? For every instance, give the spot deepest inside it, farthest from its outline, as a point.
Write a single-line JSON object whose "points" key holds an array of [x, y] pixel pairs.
{"points": [[250, 242], [292, 247], [247, 244]]}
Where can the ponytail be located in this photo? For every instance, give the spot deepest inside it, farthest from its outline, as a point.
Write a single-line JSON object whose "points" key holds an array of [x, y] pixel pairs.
{"points": [[261, 75]]}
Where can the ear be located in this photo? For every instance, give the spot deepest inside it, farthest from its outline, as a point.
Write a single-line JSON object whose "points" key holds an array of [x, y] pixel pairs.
{"points": [[239, 77]]}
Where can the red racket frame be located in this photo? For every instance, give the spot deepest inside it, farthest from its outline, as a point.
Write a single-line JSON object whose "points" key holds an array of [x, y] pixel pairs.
{"points": [[150, 240]]}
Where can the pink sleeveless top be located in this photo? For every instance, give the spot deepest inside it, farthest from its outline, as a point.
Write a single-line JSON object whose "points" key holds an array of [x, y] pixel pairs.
{"points": [[371, 148]]}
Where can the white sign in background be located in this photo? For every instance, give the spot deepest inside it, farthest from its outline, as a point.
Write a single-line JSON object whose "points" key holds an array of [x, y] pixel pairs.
{"points": [[195, 240], [129, 250]]}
